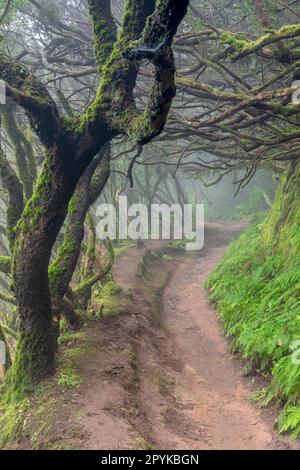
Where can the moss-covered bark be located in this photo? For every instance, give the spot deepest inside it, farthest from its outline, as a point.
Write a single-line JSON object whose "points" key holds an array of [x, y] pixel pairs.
{"points": [[71, 144], [87, 266], [114, 96], [5, 264], [62, 269], [36, 232], [104, 29], [14, 189], [84, 289], [280, 228]]}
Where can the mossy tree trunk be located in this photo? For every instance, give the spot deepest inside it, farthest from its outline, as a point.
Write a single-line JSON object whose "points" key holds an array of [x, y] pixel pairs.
{"points": [[89, 262], [61, 271], [278, 230], [94, 275], [36, 233], [71, 145]]}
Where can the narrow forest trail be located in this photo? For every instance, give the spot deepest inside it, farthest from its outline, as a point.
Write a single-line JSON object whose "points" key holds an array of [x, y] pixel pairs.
{"points": [[170, 383], [209, 386]]}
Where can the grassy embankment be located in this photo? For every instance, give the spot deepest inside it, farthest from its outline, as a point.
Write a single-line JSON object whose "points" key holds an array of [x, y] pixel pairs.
{"points": [[257, 292]]}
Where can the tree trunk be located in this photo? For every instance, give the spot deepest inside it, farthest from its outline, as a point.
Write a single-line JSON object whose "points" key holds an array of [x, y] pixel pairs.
{"points": [[279, 229], [36, 233], [89, 265], [62, 269]]}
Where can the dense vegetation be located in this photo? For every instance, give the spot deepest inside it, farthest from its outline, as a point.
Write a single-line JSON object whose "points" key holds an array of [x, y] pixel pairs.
{"points": [[256, 288], [167, 101]]}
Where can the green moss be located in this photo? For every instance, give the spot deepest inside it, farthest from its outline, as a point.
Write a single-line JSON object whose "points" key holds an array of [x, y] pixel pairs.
{"points": [[91, 246], [28, 366], [104, 30], [39, 419], [247, 47], [68, 337], [33, 210], [282, 226], [107, 92], [115, 69], [109, 300], [74, 352], [72, 207], [11, 411], [177, 244], [23, 151], [134, 17], [59, 266], [232, 39], [5, 264], [120, 249], [68, 378]]}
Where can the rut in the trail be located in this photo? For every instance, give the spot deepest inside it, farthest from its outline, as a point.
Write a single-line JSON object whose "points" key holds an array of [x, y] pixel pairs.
{"points": [[173, 384]]}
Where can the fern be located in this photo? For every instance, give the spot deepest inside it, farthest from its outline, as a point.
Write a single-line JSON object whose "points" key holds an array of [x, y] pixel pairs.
{"points": [[256, 289]]}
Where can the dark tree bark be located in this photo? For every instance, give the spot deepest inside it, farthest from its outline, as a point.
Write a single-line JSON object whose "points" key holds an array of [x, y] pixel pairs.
{"points": [[36, 233], [71, 145], [89, 188], [89, 262], [84, 290]]}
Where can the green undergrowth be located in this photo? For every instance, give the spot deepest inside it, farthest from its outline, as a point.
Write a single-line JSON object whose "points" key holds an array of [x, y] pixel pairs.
{"points": [[109, 300], [256, 289], [177, 244], [121, 248], [74, 351], [40, 420], [108, 297]]}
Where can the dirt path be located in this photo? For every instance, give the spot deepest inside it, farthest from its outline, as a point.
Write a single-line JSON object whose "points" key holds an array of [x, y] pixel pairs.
{"points": [[161, 375], [209, 385]]}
